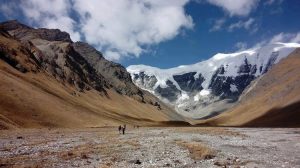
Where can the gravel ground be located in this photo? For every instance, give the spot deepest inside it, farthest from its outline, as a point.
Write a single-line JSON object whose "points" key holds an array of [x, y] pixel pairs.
{"points": [[151, 147]]}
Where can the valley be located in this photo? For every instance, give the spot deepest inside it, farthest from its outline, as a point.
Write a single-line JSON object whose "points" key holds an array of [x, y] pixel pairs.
{"points": [[49, 81], [149, 84], [151, 147]]}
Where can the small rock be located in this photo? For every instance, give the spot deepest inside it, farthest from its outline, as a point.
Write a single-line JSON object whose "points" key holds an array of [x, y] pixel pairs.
{"points": [[207, 157], [137, 162], [218, 163], [84, 156], [221, 163], [167, 165], [178, 162], [19, 137], [70, 154]]}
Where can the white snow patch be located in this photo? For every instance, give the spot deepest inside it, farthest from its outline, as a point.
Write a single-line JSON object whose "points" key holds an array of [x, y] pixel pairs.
{"points": [[182, 99], [184, 96], [221, 56], [204, 92], [233, 88], [197, 98]]}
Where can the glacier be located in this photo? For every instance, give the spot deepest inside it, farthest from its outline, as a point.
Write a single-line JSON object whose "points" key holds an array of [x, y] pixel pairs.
{"points": [[209, 87]]}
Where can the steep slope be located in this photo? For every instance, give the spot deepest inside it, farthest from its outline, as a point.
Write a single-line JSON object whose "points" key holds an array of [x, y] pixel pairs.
{"points": [[208, 88], [47, 80], [272, 100], [113, 72]]}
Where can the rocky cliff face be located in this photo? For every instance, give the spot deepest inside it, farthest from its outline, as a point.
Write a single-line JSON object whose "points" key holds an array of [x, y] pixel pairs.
{"points": [[78, 63], [210, 87], [52, 52], [45, 64], [116, 75]]}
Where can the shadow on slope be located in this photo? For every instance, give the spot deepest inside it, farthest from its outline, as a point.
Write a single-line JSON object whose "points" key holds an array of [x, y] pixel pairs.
{"points": [[288, 116]]}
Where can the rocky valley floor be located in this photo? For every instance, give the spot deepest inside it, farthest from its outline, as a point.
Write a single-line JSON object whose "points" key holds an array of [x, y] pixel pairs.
{"points": [[151, 147]]}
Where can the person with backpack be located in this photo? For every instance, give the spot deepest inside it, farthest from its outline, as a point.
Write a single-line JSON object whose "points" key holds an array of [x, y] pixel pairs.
{"points": [[123, 129], [120, 128]]}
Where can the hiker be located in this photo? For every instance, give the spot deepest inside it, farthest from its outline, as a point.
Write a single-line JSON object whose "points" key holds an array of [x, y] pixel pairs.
{"points": [[120, 128], [123, 129]]}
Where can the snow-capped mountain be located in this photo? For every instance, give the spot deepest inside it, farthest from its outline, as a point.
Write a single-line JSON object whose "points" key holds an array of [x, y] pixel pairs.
{"points": [[209, 87]]}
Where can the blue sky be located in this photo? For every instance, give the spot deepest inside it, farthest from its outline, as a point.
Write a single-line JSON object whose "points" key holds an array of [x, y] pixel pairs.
{"points": [[167, 33]]}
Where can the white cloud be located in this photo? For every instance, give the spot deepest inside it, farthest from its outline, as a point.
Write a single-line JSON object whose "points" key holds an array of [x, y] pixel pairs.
{"points": [[241, 24], [248, 25], [236, 7], [286, 37], [280, 37], [123, 28], [296, 39], [218, 24], [50, 14], [112, 55], [240, 46]]}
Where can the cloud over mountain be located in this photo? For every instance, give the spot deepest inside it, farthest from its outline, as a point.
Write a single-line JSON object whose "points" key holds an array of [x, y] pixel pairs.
{"points": [[118, 28], [286, 37]]}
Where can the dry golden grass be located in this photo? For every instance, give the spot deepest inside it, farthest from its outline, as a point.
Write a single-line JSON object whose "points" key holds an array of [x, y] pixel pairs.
{"points": [[197, 150], [36, 100]]}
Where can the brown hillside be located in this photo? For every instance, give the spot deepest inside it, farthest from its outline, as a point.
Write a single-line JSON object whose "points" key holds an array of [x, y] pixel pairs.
{"points": [[49, 84]]}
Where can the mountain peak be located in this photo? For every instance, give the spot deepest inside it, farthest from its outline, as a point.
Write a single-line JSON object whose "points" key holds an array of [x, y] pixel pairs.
{"points": [[21, 31], [223, 77], [13, 25]]}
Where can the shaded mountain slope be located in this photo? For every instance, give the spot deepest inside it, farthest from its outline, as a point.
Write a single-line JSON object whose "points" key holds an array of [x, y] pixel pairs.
{"points": [[49, 81], [272, 100], [113, 72], [288, 116]]}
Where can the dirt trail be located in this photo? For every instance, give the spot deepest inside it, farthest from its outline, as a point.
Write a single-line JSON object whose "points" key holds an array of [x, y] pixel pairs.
{"points": [[151, 147]]}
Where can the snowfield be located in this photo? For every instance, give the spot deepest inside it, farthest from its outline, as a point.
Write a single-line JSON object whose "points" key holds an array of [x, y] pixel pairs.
{"points": [[260, 60], [258, 56]]}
